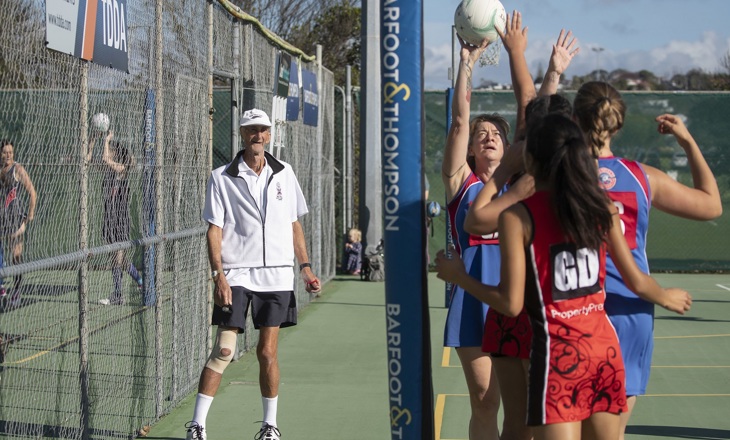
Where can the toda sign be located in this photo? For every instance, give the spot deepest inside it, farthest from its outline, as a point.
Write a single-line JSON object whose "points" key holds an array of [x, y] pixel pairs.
{"points": [[93, 30]]}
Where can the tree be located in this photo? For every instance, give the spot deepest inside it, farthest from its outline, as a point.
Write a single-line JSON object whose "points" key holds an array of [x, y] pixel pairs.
{"points": [[725, 62], [282, 16], [338, 30]]}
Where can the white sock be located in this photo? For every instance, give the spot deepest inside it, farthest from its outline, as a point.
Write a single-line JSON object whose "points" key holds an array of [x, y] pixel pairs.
{"points": [[202, 405], [270, 405]]}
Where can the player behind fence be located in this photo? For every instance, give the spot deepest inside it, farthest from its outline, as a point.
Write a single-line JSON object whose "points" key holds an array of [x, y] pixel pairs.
{"points": [[14, 219], [116, 227]]}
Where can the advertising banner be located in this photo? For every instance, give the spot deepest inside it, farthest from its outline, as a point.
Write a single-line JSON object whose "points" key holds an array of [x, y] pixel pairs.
{"points": [[406, 289], [311, 98], [93, 30]]}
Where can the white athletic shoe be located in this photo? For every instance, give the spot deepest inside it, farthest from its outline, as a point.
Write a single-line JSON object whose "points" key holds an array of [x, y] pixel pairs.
{"points": [[195, 431], [268, 432]]}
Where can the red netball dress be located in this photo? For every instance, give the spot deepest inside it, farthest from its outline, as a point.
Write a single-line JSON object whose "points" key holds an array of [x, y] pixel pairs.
{"points": [[576, 368]]}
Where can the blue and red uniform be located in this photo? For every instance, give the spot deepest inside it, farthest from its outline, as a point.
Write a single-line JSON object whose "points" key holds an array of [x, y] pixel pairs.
{"points": [[466, 315], [627, 185], [576, 368]]}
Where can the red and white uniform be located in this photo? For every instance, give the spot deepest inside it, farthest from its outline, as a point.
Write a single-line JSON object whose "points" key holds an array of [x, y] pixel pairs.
{"points": [[576, 368]]}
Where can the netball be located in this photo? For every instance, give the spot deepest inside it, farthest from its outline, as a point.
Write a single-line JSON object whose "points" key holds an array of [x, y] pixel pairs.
{"points": [[101, 122], [476, 20]]}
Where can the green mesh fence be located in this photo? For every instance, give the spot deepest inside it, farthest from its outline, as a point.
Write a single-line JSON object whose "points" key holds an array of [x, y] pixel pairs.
{"points": [[674, 244]]}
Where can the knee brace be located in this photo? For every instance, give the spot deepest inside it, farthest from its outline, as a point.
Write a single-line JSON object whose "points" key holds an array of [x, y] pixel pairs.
{"points": [[222, 353]]}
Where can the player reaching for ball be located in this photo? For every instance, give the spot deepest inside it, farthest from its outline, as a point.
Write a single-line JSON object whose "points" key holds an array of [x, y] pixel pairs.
{"points": [[473, 151], [118, 161]]}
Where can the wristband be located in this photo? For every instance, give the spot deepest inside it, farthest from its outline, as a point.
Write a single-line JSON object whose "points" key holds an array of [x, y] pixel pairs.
{"points": [[303, 265], [214, 274]]}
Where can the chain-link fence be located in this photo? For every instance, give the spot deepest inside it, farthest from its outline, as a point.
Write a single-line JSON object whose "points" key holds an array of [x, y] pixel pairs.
{"points": [[104, 324], [673, 243]]}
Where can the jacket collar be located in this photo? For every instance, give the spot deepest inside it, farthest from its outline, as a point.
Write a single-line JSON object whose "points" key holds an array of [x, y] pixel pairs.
{"points": [[232, 169]]}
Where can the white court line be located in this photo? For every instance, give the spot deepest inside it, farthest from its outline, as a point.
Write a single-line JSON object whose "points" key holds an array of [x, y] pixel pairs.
{"points": [[722, 287]]}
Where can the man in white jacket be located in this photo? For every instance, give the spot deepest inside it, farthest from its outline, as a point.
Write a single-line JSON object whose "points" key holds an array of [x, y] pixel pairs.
{"points": [[252, 208]]}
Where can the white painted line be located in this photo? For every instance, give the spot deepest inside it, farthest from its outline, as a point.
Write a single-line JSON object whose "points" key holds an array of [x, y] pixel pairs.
{"points": [[722, 287]]}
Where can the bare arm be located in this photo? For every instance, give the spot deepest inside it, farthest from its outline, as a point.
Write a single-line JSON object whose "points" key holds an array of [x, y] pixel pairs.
{"points": [[699, 203], [675, 300], [515, 43], [454, 169], [222, 291], [562, 55], [484, 211], [483, 214], [300, 251], [508, 298]]}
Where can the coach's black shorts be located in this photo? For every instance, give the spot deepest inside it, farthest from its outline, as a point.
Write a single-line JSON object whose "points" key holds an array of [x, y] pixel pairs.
{"points": [[268, 309]]}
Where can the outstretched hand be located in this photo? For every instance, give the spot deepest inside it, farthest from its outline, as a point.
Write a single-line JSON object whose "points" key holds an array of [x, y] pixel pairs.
{"points": [[677, 300], [671, 124], [514, 36], [563, 52]]}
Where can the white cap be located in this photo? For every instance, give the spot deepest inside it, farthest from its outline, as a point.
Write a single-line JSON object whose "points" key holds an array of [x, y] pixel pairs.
{"points": [[255, 117]]}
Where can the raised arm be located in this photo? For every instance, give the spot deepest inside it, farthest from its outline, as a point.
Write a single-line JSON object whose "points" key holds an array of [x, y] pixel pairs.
{"points": [[563, 52], [702, 202], [515, 43], [673, 299], [454, 169]]}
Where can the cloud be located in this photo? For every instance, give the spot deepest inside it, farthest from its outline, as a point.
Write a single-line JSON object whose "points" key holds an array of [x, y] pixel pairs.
{"points": [[437, 60], [682, 56], [677, 56]]}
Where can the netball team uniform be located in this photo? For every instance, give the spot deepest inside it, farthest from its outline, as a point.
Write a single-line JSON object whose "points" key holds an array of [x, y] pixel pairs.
{"points": [[12, 213], [466, 315], [628, 187], [576, 368], [117, 221], [506, 336]]}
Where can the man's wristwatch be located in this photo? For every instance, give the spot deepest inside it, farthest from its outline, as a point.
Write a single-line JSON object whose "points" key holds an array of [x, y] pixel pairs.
{"points": [[214, 274], [303, 265]]}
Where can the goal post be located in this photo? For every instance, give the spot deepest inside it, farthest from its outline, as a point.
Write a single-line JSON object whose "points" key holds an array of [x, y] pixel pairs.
{"points": [[404, 222]]}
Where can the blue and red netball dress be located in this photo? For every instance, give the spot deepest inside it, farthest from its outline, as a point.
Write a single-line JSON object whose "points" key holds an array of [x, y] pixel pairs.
{"points": [[633, 318], [466, 316], [576, 368]]}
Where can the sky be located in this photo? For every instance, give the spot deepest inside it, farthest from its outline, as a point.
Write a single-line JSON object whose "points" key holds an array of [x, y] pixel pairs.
{"points": [[663, 36]]}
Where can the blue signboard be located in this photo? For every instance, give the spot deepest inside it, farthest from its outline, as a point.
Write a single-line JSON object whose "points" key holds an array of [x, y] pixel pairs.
{"points": [[311, 98]]}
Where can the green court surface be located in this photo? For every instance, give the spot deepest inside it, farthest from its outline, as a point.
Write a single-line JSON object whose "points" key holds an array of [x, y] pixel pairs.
{"points": [[334, 377]]}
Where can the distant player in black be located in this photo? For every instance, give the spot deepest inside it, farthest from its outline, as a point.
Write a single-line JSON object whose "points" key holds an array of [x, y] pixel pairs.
{"points": [[13, 216]]}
